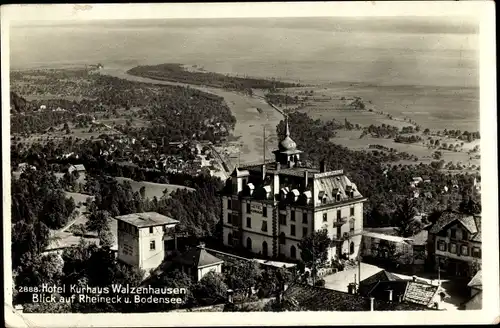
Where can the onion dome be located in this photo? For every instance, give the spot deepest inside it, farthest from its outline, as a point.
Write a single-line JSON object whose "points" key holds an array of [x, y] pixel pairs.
{"points": [[287, 143]]}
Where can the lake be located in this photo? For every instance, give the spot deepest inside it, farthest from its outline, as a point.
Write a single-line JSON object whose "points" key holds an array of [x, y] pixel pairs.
{"points": [[436, 60]]}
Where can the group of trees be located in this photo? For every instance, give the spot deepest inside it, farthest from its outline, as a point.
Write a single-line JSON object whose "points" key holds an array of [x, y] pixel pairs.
{"points": [[176, 73], [375, 175], [408, 139]]}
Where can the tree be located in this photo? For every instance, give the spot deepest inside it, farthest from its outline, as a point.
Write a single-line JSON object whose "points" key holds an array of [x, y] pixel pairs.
{"points": [[242, 275], [314, 248], [211, 289], [404, 218], [99, 221], [106, 238]]}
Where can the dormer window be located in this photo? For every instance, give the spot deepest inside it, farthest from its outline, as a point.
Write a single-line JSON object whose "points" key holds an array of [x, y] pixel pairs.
{"points": [[337, 197]]}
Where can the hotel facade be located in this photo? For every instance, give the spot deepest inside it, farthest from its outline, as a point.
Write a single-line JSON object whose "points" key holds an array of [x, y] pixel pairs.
{"points": [[270, 207]]}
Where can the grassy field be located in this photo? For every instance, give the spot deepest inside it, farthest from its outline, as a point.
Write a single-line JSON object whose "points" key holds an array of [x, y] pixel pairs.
{"points": [[351, 140], [152, 189]]}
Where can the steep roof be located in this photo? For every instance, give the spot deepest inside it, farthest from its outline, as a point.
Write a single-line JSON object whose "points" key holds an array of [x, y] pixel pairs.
{"points": [[335, 180], [477, 281], [379, 284], [469, 222], [322, 299], [197, 257], [420, 293], [380, 276]]}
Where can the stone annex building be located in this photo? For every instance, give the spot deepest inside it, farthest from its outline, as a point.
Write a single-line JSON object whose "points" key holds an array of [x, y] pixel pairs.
{"points": [[268, 208]]}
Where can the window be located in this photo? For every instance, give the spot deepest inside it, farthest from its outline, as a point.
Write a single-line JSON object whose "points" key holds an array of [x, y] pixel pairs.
{"points": [[304, 232], [249, 222], [476, 252], [304, 217], [293, 252], [453, 233], [264, 248], [339, 232], [352, 211], [264, 211], [292, 230], [325, 217], [465, 250], [338, 197], [264, 226], [351, 248], [464, 235], [323, 200], [229, 205], [282, 238], [351, 225], [230, 239], [292, 215], [249, 244], [152, 245], [442, 246], [453, 248], [164, 228], [249, 210], [339, 215], [229, 218], [283, 219], [150, 229]]}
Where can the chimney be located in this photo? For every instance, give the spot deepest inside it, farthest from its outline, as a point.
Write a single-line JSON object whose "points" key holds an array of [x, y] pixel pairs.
{"points": [[278, 166], [263, 172], [414, 278], [322, 166], [372, 305], [306, 178], [390, 295]]}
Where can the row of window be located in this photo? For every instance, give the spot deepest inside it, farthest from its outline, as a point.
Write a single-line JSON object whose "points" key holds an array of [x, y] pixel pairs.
{"points": [[463, 250], [127, 250], [459, 234], [339, 214], [264, 210]]}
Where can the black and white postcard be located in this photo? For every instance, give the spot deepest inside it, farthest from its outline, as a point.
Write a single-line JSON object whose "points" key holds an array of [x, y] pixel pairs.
{"points": [[179, 164]]}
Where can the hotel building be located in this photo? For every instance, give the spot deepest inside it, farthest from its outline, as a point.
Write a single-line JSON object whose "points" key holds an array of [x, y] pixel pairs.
{"points": [[268, 208]]}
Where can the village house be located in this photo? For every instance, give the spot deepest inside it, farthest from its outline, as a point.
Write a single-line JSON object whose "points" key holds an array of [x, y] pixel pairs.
{"points": [[197, 262], [143, 239], [475, 302], [310, 298], [80, 168], [268, 208], [455, 240], [385, 286]]}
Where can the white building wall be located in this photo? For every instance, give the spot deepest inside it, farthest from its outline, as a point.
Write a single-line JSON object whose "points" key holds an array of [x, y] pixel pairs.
{"points": [[203, 271], [149, 259], [285, 249], [128, 240]]}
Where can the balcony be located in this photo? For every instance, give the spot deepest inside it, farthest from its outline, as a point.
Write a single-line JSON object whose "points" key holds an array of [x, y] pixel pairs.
{"points": [[340, 222]]}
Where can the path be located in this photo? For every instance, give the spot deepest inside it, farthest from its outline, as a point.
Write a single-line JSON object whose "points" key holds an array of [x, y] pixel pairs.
{"points": [[249, 121]]}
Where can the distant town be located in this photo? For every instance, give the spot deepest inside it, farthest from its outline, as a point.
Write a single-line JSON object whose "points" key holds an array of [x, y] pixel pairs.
{"points": [[145, 179]]}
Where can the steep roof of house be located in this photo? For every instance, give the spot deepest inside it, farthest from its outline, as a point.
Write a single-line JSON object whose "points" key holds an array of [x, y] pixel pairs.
{"points": [[420, 293], [477, 280], [197, 257], [380, 276], [330, 181], [322, 299], [470, 222]]}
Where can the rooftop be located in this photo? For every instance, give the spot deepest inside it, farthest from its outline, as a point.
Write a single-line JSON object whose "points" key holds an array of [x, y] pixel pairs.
{"points": [[272, 167], [396, 239], [323, 299], [477, 281], [469, 222], [197, 257], [146, 219]]}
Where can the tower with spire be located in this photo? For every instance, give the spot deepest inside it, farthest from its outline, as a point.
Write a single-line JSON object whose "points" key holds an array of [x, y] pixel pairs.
{"points": [[287, 153]]}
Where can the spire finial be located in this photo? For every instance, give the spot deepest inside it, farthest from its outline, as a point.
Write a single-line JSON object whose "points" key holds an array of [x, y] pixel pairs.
{"points": [[287, 127]]}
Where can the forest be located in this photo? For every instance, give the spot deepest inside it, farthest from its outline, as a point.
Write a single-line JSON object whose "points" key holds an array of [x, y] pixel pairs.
{"points": [[176, 73]]}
